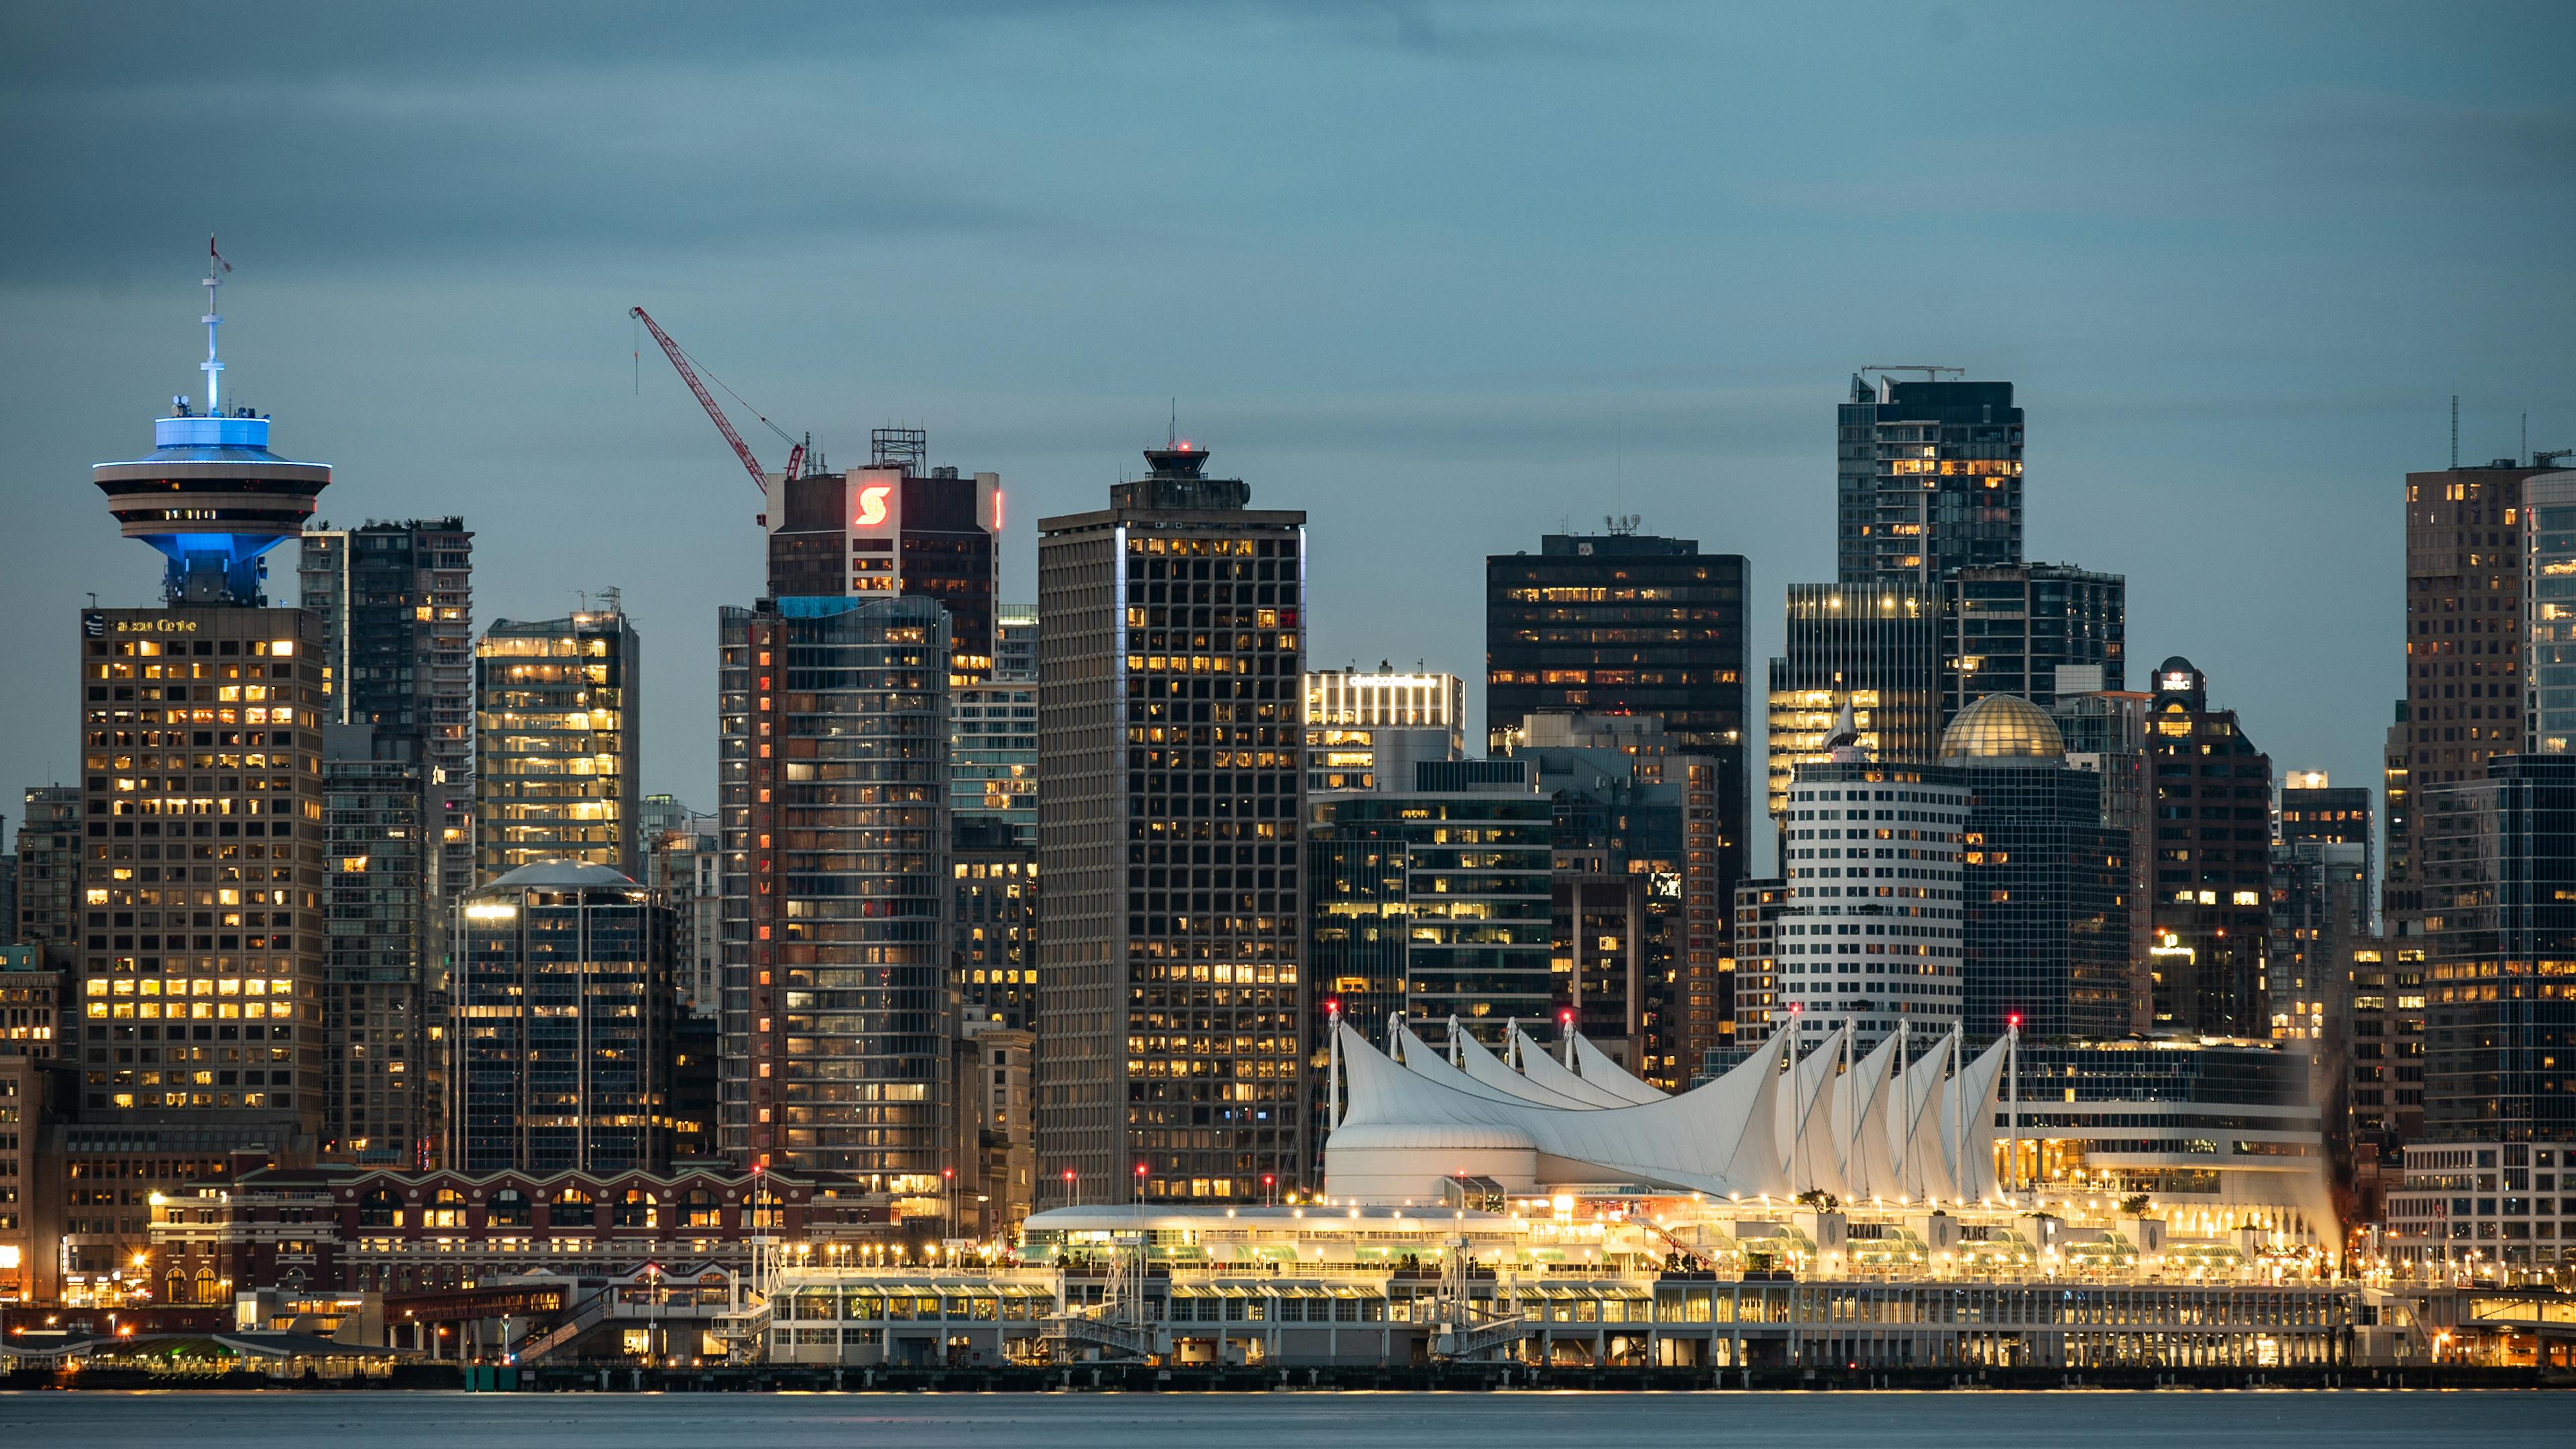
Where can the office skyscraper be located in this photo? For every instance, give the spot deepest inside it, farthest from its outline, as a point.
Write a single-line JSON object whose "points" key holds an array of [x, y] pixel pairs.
{"points": [[1170, 980], [1872, 649], [2212, 902], [559, 743], [839, 1025], [2466, 561], [1620, 623], [200, 955], [896, 526], [2008, 629], [1927, 480], [397, 607], [563, 1025], [2043, 882]]}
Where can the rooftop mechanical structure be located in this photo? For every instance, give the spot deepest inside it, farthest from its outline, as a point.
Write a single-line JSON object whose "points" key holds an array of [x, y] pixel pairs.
{"points": [[212, 497]]}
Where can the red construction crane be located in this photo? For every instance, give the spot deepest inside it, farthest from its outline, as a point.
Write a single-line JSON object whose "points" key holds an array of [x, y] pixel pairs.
{"points": [[741, 449]]}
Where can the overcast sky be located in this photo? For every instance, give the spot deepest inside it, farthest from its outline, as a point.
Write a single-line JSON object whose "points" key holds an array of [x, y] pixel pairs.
{"points": [[1445, 276]]}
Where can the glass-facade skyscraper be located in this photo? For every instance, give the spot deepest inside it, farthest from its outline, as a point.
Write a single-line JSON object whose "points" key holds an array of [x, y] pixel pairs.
{"points": [[1874, 649], [2043, 881], [2008, 629], [564, 1022], [559, 750], [834, 823], [1927, 480]]}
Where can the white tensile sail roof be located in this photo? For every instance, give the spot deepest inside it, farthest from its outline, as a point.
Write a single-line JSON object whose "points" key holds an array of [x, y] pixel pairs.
{"points": [[1609, 1076], [1548, 1072], [1415, 1118]]}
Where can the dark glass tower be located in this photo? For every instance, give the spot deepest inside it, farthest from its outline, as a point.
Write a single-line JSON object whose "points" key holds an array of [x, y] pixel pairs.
{"points": [[1627, 624], [2043, 884], [2500, 858], [2212, 904], [1927, 479], [2006, 629]]}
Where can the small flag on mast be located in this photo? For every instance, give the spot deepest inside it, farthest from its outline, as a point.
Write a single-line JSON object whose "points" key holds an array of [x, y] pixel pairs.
{"points": [[218, 256]]}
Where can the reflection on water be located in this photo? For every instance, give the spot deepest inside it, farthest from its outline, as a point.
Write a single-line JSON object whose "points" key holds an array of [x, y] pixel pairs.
{"points": [[2260, 1420]]}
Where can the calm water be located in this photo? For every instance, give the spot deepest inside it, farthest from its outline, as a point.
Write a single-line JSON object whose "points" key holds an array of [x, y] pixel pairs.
{"points": [[1300, 1421]]}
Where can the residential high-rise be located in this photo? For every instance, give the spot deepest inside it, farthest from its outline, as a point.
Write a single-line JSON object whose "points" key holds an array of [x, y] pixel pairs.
{"points": [[563, 1023], [2466, 566], [1344, 710], [2500, 874], [2044, 882], [559, 729], [2009, 629], [1015, 642], [49, 857], [385, 1003], [896, 526], [994, 923], [1872, 649], [1756, 963], [685, 866], [2549, 587], [833, 767], [2213, 842], [201, 939], [993, 753], [1170, 978], [2383, 1095], [1927, 480], [1871, 933], [397, 607]]}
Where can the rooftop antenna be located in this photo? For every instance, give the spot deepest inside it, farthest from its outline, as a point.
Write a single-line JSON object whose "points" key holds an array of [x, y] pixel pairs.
{"points": [[1172, 438], [216, 266], [1931, 370], [2455, 432], [1618, 461]]}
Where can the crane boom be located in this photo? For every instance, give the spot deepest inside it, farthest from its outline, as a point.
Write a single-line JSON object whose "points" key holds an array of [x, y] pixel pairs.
{"points": [[689, 375]]}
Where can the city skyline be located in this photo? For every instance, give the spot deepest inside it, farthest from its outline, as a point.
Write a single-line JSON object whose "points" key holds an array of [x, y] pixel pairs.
{"points": [[2227, 375]]}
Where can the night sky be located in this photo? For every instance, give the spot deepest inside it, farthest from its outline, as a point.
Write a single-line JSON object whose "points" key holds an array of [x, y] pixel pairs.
{"points": [[1445, 276]]}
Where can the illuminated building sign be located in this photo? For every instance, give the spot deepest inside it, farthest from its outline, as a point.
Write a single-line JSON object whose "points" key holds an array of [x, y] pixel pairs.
{"points": [[872, 505]]}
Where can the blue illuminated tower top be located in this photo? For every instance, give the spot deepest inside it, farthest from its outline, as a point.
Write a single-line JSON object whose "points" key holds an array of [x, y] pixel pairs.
{"points": [[212, 497]]}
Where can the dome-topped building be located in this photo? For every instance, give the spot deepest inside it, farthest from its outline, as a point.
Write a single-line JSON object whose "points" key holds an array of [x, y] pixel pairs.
{"points": [[2002, 727]]}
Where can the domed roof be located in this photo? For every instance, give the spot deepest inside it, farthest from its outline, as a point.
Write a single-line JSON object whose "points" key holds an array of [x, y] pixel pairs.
{"points": [[2002, 727], [556, 873]]}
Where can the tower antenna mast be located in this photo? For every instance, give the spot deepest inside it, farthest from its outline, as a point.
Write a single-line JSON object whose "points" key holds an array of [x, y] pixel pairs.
{"points": [[213, 368]]}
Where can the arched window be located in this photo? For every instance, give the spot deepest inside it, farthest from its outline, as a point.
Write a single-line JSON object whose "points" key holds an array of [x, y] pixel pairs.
{"points": [[700, 1210], [635, 1210], [178, 1290], [446, 1209], [380, 1209], [206, 1285], [573, 1209], [509, 1209]]}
